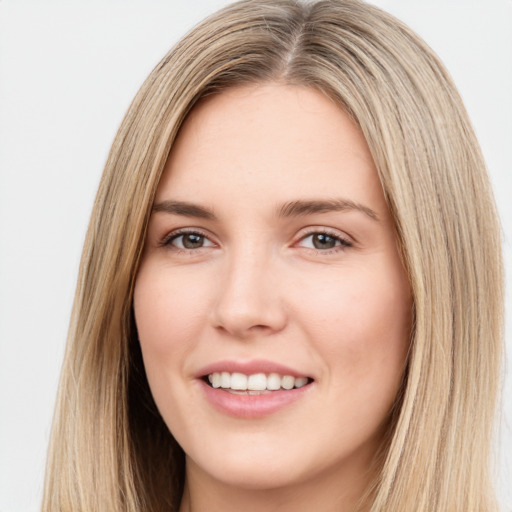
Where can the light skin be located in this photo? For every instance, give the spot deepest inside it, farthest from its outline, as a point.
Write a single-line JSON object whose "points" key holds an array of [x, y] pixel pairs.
{"points": [[271, 239]]}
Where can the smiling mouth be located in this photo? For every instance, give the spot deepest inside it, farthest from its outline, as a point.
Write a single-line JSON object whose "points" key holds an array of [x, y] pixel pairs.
{"points": [[254, 384]]}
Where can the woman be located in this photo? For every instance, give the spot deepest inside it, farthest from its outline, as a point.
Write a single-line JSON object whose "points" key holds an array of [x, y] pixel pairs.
{"points": [[176, 304]]}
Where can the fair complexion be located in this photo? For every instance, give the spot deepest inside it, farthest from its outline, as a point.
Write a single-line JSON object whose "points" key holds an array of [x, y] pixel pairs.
{"points": [[270, 249]]}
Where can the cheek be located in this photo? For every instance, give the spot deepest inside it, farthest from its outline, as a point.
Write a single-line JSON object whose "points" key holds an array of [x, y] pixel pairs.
{"points": [[362, 323], [167, 315], [167, 311], [168, 324]]}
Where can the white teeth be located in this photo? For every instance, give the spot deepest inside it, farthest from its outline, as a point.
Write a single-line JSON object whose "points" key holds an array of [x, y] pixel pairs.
{"points": [[287, 382], [225, 380], [238, 381], [256, 382], [274, 382], [301, 381], [216, 380]]}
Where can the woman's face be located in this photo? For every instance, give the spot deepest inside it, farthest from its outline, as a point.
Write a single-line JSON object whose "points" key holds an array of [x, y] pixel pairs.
{"points": [[271, 262]]}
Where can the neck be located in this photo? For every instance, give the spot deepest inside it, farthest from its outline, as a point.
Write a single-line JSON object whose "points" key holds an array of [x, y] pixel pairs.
{"points": [[327, 492]]}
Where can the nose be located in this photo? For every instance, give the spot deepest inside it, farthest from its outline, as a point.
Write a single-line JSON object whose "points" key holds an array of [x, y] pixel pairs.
{"points": [[249, 302]]}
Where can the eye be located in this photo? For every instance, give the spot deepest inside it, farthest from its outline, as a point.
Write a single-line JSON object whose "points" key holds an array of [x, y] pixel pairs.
{"points": [[188, 240], [322, 241]]}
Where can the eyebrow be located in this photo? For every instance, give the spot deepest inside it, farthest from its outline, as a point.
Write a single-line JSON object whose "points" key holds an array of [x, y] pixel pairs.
{"points": [[184, 208], [290, 209], [299, 208]]}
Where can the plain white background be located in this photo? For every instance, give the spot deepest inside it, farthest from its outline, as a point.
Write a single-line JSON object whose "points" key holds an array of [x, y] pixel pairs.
{"points": [[68, 71]]}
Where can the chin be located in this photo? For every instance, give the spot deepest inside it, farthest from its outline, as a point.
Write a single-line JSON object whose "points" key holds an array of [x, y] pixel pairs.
{"points": [[254, 475], [255, 466]]}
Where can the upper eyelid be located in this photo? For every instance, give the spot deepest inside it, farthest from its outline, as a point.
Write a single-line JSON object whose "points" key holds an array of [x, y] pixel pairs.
{"points": [[175, 233], [344, 243], [300, 235], [334, 232]]}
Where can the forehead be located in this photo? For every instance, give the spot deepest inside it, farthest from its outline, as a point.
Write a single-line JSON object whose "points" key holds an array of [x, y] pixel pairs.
{"points": [[273, 140]]}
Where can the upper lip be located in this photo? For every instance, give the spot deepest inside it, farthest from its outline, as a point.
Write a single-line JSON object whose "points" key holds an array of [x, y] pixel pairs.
{"points": [[250, 367]]}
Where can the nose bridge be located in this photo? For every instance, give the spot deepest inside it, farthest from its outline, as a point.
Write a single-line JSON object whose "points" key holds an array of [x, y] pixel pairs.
{"points": [[249, 298]]}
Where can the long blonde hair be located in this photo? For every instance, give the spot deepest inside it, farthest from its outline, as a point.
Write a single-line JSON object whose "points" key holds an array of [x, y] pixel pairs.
{"points": [[110, 450]]}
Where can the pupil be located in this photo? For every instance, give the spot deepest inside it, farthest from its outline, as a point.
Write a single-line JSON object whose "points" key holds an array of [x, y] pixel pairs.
{"points": [[321, 241], [192, 241]]}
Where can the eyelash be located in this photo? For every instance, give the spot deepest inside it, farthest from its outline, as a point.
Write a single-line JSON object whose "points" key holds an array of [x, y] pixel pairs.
{"points": [[344, 243], [168, 240]]}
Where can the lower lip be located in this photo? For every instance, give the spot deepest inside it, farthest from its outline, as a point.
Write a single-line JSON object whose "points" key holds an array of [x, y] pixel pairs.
{"points": [[251, 406]]}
